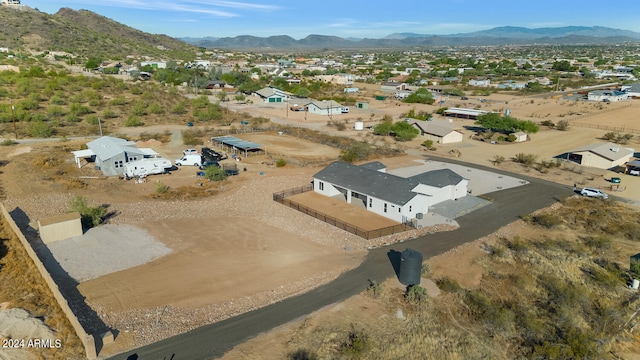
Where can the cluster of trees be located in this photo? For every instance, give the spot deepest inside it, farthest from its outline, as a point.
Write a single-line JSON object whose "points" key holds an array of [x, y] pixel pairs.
{"points": [[401, 131], [505, 124]]}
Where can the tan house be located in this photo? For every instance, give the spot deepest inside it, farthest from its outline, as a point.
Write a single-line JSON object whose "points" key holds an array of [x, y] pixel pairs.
{"points": [[60, 227], [602, 156], [441, 132]]}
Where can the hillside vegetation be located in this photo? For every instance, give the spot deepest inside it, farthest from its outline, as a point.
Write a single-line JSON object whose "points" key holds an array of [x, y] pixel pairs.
{"points": [[84, 33], [560, 293]]}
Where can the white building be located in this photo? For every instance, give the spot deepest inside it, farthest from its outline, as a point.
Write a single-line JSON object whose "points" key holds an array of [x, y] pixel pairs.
{"points": [[394, 197], [324, 107], [607, 95]]}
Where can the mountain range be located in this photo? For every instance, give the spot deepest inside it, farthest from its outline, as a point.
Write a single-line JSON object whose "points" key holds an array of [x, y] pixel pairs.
{"points": [[88, 34], [504, 35]]}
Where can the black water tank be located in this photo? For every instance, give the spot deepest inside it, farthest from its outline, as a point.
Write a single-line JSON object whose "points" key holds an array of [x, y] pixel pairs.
{"points": [[410, 267]]}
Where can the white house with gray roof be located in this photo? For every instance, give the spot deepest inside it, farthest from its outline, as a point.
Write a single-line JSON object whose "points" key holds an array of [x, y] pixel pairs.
{"points": [[324, 107], [111, 154], [394, 197]]}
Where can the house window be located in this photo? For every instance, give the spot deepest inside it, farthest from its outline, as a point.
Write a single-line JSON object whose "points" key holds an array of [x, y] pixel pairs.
{"points": [[385, 207], [370, 201], [399, 209], [409, 208], [118, 164], [321, 186]]}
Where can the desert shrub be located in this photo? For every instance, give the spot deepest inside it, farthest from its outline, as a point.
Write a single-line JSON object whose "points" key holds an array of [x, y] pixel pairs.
{"points": [[190, 137], [161, 187], [92, 119], [8, 142], [597, 242], [356, 343], [493, 314], [39, 129], [548, 123], [563, 125], [448, 285], [516, 245], [281, 162], [634, 267], [356, 152], [215, 173], [91, 216], [416, 294], [511, 138], [302, 354], [133, 121], [428, 144], [609, 136], [546, 220], [374, 288], [109, 114], [425, 269], [498, 159], [180, 108], [119, 100], [525, 159]]}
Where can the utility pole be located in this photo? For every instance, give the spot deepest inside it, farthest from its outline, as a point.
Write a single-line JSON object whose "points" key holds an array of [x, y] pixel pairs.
{"points": [[13, 119], [100, 125]]}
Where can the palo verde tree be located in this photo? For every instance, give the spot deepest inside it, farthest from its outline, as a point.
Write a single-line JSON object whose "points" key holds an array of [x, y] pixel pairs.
{"points": [[505, 124]]}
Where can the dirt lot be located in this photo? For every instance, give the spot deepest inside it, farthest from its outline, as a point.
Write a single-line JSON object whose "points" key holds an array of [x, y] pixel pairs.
{"points": [[234, 251]]}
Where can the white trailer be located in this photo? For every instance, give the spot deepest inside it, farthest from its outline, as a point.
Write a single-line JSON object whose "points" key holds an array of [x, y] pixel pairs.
{"points": [[146, 166]]}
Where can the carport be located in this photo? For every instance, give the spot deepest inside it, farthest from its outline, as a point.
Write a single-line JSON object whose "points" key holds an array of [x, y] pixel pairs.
{"points": [[232, 144]]}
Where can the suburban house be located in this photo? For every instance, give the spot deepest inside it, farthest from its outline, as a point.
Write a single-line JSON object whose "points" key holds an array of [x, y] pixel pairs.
{"points": [[480, 82], [602, 155], [441, 132], [392, 86], [324, 107], [110, 154], [272, 95], [632, 90], [394, 197], [607, 95], [340, 79]]}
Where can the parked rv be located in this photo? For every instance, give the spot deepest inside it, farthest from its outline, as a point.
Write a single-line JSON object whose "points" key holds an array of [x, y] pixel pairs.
{"points": [[189, 160], [147, 166]]}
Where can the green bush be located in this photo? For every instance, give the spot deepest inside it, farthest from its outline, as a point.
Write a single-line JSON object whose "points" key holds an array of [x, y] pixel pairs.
{"points": [[161, 187], [374, 289], [356, 152], [133, 121], [428, 144], [90, 216], [281, 162], [416, 294], [215, 173], [39, 129], [525, 159]]}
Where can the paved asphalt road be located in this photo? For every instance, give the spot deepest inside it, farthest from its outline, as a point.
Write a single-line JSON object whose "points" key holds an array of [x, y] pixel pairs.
{"points": [[214, 340]]}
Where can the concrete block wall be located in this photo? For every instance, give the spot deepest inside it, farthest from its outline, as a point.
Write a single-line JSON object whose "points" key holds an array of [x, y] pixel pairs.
{"points": [[87, 340]]}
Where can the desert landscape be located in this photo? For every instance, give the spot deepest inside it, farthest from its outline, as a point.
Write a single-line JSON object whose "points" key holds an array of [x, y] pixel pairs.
{"points": [[234, 249]]}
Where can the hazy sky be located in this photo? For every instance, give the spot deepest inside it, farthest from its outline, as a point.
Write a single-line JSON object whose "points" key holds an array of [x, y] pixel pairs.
{"points": [[348, 18]]}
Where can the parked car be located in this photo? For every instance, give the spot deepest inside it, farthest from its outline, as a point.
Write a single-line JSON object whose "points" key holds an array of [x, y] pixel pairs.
{"points": [[595, 193], [190, 152], [616, 180], [634, 172]]}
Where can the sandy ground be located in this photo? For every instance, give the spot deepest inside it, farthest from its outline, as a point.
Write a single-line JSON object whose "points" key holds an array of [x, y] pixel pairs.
{"points": [[18, 324], [251, 244]]}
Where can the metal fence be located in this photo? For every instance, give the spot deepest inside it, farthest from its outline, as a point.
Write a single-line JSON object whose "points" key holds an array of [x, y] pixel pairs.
{"points": [[282, 196]]}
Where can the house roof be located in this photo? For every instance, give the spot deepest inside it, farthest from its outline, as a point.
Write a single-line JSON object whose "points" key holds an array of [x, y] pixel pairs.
{"points": [[238, 143], [374, 165], [324, 104], [107, 147], [609, 151], [388, 187], [437, 128]]}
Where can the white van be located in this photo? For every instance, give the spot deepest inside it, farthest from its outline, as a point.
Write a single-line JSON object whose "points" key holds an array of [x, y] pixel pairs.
{"points": [[192, 160]]}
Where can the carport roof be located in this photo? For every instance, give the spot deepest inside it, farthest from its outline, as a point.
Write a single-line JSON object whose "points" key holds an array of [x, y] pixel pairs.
{"points": [[237, 143]]}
